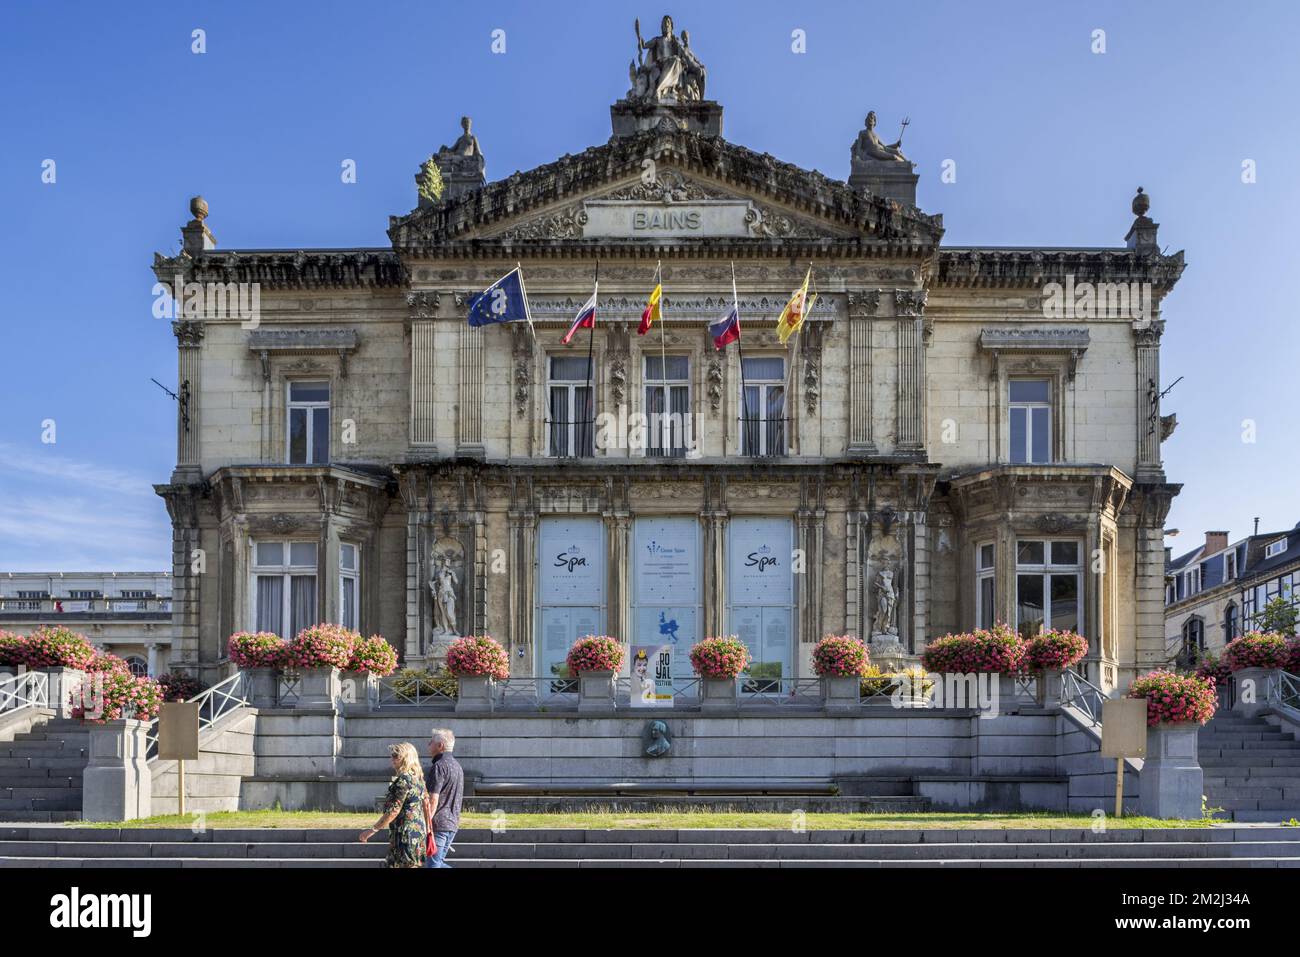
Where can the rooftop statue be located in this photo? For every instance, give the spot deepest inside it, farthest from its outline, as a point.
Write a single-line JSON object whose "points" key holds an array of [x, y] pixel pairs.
{"points": [[869, 147], [467, 145], [665, 67]]}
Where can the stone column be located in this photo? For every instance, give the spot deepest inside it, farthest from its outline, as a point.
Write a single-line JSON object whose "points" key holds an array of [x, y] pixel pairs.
{"points": [[1171, 781], [152, 649], [189, 564], [523, 584], [1150, 503], [909, 306], [469, 408], [413, 652], [423, 433], [1147, 346], [862, 310], [714, 598], [189, 344], [618, 602], [117, 784]]}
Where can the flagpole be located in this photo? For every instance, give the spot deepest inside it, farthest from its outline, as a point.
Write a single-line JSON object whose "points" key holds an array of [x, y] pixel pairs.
{"points": [[740, 352], [528, 313], [591, 342], [663, 344]]}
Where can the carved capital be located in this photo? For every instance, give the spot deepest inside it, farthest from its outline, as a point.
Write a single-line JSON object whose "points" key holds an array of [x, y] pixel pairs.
{"points": [[188, 333]]}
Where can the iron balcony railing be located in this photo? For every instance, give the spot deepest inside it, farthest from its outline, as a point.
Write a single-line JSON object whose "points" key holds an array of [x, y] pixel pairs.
{"points": [[1081, 694], [217, 701], [763, 436]]}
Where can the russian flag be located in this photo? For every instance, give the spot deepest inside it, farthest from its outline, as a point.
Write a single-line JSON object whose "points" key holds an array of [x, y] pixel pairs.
{"points": [[585, 319], [726, 329]]}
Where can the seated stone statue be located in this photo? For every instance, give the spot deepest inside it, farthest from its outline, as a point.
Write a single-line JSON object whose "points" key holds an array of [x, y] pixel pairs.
{"points": [[869, 148], [467, 145], [669, 70]]}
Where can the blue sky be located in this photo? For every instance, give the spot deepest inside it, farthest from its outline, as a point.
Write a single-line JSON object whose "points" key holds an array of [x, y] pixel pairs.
{"points": [[1050, 141]]}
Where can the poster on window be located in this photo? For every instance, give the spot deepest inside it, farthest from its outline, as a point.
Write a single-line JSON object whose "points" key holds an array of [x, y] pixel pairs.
{"points": [[571, 561], [652, 676], [665, 563], [759, 561]]}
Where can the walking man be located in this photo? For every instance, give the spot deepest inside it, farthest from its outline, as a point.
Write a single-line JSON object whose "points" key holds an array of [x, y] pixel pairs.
{"points": [[445, 784]]}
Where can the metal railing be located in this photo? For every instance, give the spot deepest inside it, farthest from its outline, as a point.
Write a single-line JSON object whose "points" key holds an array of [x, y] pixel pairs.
{"points": [[781, 691], [1081, 694], [76, 606], [31, 689], [537, 691], [217, 701], [1284, 691], [397, 691]]}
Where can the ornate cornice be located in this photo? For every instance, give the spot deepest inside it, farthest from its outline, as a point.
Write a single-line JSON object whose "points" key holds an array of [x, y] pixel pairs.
{"points": [[1020, 268], [287, 269]]}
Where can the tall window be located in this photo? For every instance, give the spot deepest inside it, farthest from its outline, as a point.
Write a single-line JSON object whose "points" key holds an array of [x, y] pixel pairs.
{"points": [[1031, 420], [985, 584], [1193, 640], [762, 410], [1049, 586], [668, 405], [1229, 566], [309, 423], [349, 590], [284, 587], [1230, 626], [570, 423]]}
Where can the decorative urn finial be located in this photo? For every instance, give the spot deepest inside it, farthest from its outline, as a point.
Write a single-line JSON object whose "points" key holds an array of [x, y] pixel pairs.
{"points": [[1141, 203], [199, 208]]}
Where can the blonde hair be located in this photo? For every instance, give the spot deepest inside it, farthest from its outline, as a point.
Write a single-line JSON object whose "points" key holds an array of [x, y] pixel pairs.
{"points": [[408, 759]]}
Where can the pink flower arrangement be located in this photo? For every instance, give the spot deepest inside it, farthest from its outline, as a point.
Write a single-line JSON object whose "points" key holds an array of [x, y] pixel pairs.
{"points": [[257, 649], [178, 686], [1054, 649], [595, 653], [52, 646], [1257, 650], [1174, 698], [841, 656], [110, 693], [1212, 669], [374, 655], [721, 657], [1293, 656], [987, 650], [103, 661], [481, 656], [11, 648], [322, 646]]}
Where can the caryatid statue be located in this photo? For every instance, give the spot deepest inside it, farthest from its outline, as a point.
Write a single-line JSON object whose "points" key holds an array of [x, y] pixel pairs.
{"points": [[868, 145], [666, 67]]}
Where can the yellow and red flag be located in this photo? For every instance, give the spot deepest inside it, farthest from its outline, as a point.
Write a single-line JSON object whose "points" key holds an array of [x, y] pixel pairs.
{"points": [[792, 315], [651, 314]]}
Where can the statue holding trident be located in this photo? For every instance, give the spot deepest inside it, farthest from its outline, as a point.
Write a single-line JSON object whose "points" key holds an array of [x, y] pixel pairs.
{"points": [[869, 146]]}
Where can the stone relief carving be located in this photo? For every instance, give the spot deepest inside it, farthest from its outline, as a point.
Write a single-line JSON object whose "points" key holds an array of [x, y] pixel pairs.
{"points": [[423, 304], [566, 224]]}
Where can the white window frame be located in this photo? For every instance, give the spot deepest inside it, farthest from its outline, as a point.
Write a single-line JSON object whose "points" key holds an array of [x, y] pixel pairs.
{"points": [[682, 439], [1046, 570], [1275, 548], [352, 575], [1192, 581], [310, 407], [762, 423], [572, 386], [287, 571], [1030, 407], [1229, 566], [985, 573]]}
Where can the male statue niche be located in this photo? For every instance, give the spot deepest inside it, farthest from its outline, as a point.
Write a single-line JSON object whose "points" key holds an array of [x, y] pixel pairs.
{"points": [[443, 586], [886, 601]]}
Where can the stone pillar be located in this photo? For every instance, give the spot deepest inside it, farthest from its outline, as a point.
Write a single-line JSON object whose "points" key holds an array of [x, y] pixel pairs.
{"points": [[67, 689], [1251, 687], [189, 564], [523, 584], [469, 408], [1151, 503], [618, 602], [189, 344], [152, 649], [714, 598], [117, 784], [862, 310], [1171, 781], [423, 433], [909, 306], [1146, 340]]}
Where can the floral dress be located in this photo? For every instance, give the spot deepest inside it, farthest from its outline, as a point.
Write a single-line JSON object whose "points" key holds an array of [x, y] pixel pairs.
{"points": [[406, 834]]}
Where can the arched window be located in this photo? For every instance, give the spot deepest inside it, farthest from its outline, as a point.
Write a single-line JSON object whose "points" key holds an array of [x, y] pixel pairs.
{"points": [[139, 667], [1230, 626], [1193, 640]]}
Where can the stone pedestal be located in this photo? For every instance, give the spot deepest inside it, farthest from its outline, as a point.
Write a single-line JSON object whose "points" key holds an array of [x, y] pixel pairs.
{"points": [[260, 687], [630, 117], [117, 784], [359, 687], [319, 687], [595, 690], [885, 178], [719, 694], [1171, 781], [841, 694], [1051, 687], [66, 690], [478, 693], [1250, 687], [1007, 691]]}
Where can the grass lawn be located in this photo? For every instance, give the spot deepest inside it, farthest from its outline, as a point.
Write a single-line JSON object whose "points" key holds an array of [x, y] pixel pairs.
{"points": [[648, 820]]}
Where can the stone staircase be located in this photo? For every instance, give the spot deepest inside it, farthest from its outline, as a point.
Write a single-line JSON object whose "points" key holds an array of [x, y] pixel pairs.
{"points": [[53, 845], [1252, 769], [40, 772]]}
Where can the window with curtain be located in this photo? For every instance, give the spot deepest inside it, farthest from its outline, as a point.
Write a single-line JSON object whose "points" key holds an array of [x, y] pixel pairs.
{"points": [[985, 585], [309, 423], [570, 419], [284, 587], [1049, 586], [762, 407], [1030, 420], [668, 405], [349, 590]]}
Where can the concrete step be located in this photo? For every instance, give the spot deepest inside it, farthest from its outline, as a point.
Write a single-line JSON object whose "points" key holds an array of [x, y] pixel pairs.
{"points": [[39, 817], [40, 799], [1248, 759], [26, 763], [36, 779], [1253, 740], [1289, 804], [40, 749], [1265, 816]]}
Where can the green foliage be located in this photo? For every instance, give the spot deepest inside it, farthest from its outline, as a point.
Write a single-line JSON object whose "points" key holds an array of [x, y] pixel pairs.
{"points": [[1278, 615], [429, 183]]}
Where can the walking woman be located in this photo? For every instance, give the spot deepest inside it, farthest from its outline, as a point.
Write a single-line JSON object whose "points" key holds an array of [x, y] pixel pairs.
{"points": [[403, 812]]}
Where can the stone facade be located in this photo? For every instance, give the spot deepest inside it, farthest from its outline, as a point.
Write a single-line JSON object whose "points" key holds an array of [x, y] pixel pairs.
{"points": [[895, 446]]}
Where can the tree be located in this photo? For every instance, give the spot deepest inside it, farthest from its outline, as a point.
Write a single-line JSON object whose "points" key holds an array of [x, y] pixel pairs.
{"points": [[1278, 615]]}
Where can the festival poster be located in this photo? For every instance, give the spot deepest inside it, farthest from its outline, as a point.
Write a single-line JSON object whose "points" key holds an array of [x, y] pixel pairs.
{"points": [[652, 676]]}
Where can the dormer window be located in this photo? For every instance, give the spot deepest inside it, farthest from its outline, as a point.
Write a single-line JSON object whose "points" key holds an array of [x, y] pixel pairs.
{"points": [[1275, 548]]}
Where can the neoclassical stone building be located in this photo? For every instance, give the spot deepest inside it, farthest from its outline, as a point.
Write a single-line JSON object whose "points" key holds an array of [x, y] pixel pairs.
{"points": [[956, 435]]}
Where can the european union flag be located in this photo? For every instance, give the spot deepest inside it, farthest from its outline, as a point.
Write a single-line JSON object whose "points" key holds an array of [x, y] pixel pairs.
{"points": [[503, 301]]}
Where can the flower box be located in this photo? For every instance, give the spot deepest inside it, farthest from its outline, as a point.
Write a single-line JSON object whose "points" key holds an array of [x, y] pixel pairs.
{"points": [[1171, 782], [1251, 688], [319, 687], [719, 694], [841, 692], [596, 690], [475, 693]]}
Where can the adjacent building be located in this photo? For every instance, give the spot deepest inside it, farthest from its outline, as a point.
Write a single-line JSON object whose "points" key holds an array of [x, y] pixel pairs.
{"points": [[957, 435], [126, 613]]}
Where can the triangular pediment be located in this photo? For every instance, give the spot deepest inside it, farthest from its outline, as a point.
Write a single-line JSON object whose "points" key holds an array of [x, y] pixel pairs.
{"points": [[666, 186]]}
